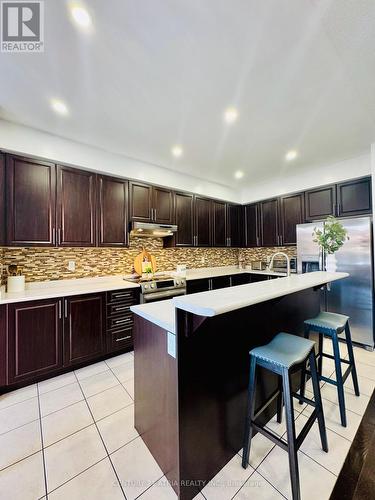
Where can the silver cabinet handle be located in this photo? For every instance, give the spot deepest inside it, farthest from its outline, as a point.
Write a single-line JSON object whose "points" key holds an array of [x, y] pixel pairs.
{"points": [[120, 321], [121, 295], [155, 214], [65, 309], [59, 309], [122, 308], [53, 236], [124, 338]]}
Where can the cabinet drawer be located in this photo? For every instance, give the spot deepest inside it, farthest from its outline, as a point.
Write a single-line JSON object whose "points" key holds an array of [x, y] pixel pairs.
{"points": [[123, 296], [120, 322], [120, 339], [119, 308]]}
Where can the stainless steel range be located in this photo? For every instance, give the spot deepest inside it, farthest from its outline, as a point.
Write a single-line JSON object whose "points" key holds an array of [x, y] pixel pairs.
{"points": [[159, 287]]}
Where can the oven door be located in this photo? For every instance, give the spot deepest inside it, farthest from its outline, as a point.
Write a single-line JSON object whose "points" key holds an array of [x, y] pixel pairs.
{"points": [[162, 295]]}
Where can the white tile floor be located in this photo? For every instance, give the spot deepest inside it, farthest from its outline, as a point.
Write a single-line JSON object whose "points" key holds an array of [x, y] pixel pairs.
{"points": [[73, 437]]}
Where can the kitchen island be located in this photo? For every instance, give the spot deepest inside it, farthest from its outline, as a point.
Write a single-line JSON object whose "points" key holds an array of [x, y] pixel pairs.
{"points": [[192, 367]]}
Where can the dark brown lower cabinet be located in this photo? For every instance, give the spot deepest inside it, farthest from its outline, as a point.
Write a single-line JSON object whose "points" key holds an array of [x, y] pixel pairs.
{"points": [[220, 282], [84, 328], [34, 339], [199, 285]]}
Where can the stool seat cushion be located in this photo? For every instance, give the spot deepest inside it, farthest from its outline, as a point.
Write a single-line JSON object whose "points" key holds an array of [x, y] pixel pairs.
{"points": [[284, 350], [326, 321]]}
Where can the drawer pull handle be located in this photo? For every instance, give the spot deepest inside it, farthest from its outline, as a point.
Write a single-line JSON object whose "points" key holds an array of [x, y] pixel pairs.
{"points": [[121, 308], [121, 295], [119, 321], [123, 338]]}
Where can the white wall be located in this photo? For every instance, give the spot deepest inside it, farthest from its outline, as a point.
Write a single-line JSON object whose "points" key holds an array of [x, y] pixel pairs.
{"points": [[29, 141], [317, 175]]}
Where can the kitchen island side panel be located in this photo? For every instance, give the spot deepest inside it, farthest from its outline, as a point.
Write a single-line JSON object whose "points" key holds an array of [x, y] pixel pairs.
{"points": [[213, 360], [155, 396]]}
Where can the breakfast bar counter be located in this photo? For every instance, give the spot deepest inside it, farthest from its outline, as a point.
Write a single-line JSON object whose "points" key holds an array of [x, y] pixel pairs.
{"points": [[192, 368]]}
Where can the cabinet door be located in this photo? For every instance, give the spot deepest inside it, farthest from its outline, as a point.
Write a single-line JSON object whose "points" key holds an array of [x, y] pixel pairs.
{"points": [[354, 197], [291, 213], [35, 339], [252, 225], [140, 202], [76, 204], [113, 212], [236, 226], [240, 279], [203, 231], [2, 199], [31, 188], [320, 202], [269, 222], [84, 328], [195, 286], [219, 224], [184, 219], [220, 282], [162, 205]]}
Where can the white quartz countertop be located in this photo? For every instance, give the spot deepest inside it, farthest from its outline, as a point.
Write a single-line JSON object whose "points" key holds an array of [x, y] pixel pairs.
{"points": [[224, 300], [213, 272], [160, 313], [65, 288]]}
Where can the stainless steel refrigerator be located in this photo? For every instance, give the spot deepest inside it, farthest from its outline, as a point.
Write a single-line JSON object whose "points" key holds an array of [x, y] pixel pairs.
{"points": [[353, 296]]}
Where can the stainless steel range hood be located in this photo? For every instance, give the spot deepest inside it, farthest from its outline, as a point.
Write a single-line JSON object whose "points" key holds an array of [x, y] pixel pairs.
{"points": [[149, 230]]}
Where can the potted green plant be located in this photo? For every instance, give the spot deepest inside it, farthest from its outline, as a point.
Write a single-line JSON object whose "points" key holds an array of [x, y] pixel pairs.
{"points": [[330, 239]]}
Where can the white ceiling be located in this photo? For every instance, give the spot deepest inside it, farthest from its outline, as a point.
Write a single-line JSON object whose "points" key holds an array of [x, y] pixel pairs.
{"points": [[155, 73]]}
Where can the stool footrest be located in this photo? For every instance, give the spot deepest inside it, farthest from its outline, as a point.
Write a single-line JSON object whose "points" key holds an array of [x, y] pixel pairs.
{"points": [[271, 435], [267, 403], [346, 374], [330, 356], [303, 398], [310, 422]]}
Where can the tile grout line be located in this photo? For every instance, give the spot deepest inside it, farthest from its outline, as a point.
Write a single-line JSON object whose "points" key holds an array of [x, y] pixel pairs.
{"points": [[42, 443], [101, 438], [120, 382]]}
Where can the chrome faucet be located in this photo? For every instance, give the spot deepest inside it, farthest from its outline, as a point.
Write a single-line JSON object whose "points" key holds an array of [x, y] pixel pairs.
{"points": [[287, 261]]}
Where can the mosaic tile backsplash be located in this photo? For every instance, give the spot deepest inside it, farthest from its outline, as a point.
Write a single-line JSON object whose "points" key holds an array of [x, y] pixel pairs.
{"points": [[44, 264]]}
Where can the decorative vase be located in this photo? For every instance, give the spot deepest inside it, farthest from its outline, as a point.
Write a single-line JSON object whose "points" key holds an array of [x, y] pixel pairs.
{"points": [[331, 263]]}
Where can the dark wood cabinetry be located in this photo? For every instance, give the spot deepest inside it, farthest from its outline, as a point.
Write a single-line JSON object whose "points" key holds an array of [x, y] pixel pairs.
{"points": [[162, 205], [219, 224], [31, 191], [220, 282], [84, 327], [151, 203], [236, 225], [292, 212], [354, 197], [196, 286], [240, 279], [269, 222], [320, 202], [2, 199], [76, 207], [34, 339], [203, 219], [184, 218], [140, 202], [119, 330], [252, 225], [113, 211]]}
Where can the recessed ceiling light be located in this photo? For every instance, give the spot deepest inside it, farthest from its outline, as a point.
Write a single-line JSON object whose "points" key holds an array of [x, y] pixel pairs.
{"points": [[291, 155], [177, 151], [230, 115], [59, 106], [238, 174], [80, 16]]}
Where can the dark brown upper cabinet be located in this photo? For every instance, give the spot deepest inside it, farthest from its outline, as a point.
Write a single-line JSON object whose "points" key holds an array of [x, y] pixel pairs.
{"points": [[292, 212], [2, 199], [84, 327], [34, 339], [76, 207], [320, 202], [269, 222], [31, 202], [113, 211], [236, 226], [151, 203], [162, 205], [203, 233], [184, 218], [252, 225], [140, 202], [219, 224], [354, 197]]}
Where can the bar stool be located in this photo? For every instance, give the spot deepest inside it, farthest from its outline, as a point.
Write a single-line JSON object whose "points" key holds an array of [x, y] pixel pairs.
{"points": [[332, 325], [284, 355]]}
